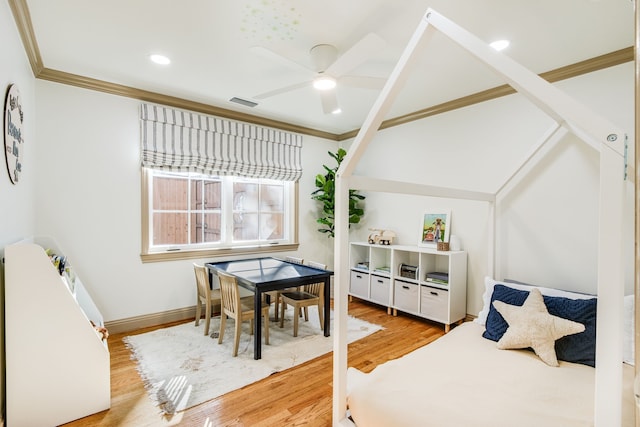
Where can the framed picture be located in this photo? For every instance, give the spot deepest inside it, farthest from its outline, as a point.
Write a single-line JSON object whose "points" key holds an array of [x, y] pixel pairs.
{"points": [[434, 227]]}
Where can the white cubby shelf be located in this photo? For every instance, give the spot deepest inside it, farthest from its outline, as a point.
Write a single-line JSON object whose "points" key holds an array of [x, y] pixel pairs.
{"points": [[383, 283]]}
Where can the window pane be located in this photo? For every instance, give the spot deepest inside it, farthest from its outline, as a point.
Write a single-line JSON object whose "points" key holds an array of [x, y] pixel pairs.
{"points": [[212, 194], [245, 226], [205, 194], [169, 228], [271, 226], [205, 227], [272, 198], [169, 193], [196, 194], [245, 196]]}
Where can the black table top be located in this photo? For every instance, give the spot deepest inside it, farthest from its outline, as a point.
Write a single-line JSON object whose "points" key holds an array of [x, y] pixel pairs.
{"points": [[269, 270]]}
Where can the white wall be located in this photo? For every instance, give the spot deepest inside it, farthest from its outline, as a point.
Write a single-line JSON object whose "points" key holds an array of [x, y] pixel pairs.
{"points": [[89, 191], [546, 222], [17, 209]]}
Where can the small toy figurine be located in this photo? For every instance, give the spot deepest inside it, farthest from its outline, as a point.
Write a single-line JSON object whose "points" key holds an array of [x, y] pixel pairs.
{"points": [[101, 330], [381, 236]]}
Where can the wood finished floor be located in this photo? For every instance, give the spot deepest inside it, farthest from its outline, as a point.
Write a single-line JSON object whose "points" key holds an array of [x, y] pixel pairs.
{"points": [[300, 396]]}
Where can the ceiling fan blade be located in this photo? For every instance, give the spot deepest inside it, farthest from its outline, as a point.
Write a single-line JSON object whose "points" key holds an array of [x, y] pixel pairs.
{"points": [[356, 55], [276, 57], [364, 82], [329, 100], [282, 90]]}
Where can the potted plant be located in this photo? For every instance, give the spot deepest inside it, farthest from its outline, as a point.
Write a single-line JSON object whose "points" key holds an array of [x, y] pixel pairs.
{"points": [[325, 193]]}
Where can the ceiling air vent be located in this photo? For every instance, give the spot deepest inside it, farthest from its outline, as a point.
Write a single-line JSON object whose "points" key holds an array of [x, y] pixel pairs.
{"points": [[243, 102]]}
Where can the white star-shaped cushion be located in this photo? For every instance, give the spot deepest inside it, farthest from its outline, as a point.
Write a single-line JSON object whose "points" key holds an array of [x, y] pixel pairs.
{"points": [[531, 325]]}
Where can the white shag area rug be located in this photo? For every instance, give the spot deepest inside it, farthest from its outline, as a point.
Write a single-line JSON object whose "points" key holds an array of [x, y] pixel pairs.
{"points": [[181, 367]]}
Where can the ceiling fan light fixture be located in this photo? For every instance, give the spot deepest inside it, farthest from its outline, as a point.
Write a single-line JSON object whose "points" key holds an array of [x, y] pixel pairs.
{"points": [[499, 44], [324, 83], [159, 59]]}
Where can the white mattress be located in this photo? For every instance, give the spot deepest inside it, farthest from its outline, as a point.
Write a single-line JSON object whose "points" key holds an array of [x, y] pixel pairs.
{"points": [[462, 379]]}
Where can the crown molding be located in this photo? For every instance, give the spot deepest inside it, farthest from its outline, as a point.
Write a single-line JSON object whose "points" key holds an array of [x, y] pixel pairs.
{"points": [[25, 28], [22, 17], [172, 101], [588, 66]]}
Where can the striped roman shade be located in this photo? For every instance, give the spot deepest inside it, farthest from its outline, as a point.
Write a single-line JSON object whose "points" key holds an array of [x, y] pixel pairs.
{"points": [[183, 141]]}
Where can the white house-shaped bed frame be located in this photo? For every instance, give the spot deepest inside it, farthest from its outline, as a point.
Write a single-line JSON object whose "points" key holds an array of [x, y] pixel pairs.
{"points": [[570, 116]]}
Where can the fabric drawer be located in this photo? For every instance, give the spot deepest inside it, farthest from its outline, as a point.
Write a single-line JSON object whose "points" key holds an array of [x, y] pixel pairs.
{"points": [[380, 289], [359, 285], [405, 296], [434, 303]]}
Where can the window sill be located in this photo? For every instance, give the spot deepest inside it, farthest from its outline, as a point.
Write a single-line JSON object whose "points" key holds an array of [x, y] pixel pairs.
{"points": [[214, 253]]}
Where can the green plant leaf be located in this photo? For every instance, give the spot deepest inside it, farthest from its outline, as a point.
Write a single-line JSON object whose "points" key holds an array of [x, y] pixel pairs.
{"points": [[325, 194]]}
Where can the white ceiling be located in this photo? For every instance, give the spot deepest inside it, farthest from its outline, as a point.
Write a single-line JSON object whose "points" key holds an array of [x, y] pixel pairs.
{"points": [[217, 47]]}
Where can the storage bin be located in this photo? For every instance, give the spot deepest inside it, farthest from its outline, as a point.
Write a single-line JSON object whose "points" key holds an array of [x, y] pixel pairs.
{"points": [[380, 289], [434, 303], [359, 286], [405, 296]]}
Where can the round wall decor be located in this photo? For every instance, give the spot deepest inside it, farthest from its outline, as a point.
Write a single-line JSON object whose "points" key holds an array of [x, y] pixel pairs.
{"points": [[13, 133]]}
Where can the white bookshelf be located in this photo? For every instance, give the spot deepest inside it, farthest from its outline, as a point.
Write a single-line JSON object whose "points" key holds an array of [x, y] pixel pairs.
{"points": [[57, 365], [382, 283]]}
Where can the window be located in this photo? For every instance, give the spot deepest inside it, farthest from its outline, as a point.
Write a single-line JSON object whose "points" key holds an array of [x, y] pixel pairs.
{"points": [[188, 213], [212, 186]]}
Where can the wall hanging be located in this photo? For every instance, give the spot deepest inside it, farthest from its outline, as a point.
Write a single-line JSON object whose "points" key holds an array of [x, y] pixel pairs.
{"points": [[13, 133]]}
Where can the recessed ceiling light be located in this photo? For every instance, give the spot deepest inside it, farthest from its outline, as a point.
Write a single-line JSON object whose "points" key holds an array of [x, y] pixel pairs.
{"points": [[160, 59], [499, 44], [337, 111], [324, 83]]}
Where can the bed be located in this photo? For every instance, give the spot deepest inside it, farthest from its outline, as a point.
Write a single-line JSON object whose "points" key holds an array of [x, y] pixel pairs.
{"points": [[598, 391], [463, 379]]}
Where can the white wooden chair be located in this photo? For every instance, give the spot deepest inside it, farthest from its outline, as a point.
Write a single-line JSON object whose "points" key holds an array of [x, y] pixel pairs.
{"points": [[308, 296], [233, 307], [205, 295], [274, 296]]}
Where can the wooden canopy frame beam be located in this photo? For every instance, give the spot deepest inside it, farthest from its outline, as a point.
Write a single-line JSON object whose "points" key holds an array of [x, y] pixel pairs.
{"points": [[568, 114]]}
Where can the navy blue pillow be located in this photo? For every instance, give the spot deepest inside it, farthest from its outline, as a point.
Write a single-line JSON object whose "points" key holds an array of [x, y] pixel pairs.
{"points": [[577, 348]]}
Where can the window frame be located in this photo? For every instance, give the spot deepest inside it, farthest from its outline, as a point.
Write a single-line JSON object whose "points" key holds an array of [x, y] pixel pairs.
{"points": [[154, 255]]}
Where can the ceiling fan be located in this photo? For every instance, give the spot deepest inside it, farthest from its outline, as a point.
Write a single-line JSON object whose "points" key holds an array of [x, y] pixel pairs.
{"points": [[329, 70]]}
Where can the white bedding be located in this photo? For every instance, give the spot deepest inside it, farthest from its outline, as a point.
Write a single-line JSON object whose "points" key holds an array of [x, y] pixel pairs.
{"points": [[462, 379]]}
